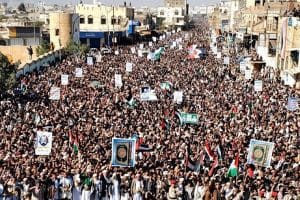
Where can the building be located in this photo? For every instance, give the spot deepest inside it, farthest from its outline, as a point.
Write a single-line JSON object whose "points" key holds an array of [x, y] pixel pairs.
{"points": [[176, 3], [20, 34], [102, 24], [3, 8], [171, 17], [63, 28], [289, 50], [202, 10], [235, 6]]}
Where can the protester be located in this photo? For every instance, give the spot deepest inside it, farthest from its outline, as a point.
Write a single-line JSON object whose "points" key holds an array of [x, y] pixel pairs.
{"points": [[177, 163]]}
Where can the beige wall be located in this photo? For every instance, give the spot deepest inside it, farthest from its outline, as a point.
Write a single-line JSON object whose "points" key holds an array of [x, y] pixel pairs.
{"points": [[17, 53], [99, 11], [63, 23]]}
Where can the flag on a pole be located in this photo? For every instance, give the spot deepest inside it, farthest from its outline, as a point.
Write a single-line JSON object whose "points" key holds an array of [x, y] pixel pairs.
{"points": [[131, 103], [219, 152], [73, 143], [190, 164], [209, 151], [158, 53], [233, 169], [214, 166], [76, 146]]}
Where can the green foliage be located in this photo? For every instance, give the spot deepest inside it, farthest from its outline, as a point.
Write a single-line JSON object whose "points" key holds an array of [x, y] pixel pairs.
{"points": [[43, 48], [7, 74], [75, 48]]}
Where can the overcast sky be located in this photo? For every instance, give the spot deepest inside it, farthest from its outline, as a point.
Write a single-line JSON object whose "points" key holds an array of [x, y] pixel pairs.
{"points": [[136, 3]]}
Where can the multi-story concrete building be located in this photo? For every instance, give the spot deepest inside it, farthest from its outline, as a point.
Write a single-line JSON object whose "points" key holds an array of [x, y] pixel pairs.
{"points": [[171, 16], [289, 50], [102, 24], [63, 27]]}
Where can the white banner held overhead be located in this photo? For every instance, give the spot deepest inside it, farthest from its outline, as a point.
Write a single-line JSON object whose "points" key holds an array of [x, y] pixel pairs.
{"points": [[243, 66], [64, 79], [147, 94], [226, 60], [258, 84], [133, 51], [118, 80], [140, 53], [90, 60], [248, 74], [43, 143], [129, 67], [141, 46], [178, 97], [78, 73], [219, 55], [54, 93]]}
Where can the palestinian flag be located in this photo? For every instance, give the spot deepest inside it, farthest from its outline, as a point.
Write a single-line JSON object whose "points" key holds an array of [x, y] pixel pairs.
{"points": [[214, 166], [144, 148], [209, 152], [233, 169], [73, 143], [218, 149], [76, 146]]}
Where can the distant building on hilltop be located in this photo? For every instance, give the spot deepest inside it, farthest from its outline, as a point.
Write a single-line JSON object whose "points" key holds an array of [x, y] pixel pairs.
{"points": [[176, 3]]}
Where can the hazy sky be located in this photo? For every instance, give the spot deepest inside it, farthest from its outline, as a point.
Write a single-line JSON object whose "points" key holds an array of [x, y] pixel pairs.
{"points": [[136, 3]]}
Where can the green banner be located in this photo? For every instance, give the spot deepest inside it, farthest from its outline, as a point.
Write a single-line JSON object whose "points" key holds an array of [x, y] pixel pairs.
{"points": [[188, 118]]}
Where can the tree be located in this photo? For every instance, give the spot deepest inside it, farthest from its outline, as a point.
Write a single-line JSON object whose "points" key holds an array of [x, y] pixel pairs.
{"points": [[7, 74], [22, 7], [43, 48], [73, 48]]}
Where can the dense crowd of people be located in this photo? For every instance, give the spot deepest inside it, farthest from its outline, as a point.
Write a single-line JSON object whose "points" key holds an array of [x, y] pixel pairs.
{"points": [[230, 113]]}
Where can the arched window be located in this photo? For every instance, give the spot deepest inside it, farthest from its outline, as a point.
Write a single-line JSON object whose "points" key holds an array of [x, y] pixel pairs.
{"points": [[90, 19], [103, 19], [161, 13], [119, 20], [176, 12], [81, 19]]}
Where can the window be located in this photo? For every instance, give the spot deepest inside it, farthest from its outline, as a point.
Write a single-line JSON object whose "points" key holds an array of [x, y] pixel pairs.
{"points": [[103, 20], [272, 47], [162, 13], [119, 20], [176, 12], [113, 20], [56, 32], [81, 21], [90, 19]]}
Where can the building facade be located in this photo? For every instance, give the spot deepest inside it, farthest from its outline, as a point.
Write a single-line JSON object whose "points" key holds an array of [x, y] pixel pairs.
{"points": [[171, 16], [101, 24], [63, 27]]}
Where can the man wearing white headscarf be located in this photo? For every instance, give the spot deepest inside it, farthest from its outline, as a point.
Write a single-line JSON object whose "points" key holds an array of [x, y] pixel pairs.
{"points": [[137, 188]]}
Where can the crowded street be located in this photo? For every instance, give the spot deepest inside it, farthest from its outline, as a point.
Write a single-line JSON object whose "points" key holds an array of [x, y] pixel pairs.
{"points": [[190, 146]]}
